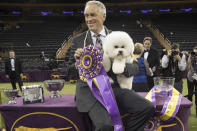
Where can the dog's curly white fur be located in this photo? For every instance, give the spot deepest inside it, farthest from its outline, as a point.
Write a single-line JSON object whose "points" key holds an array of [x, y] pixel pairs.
{"points": [[118, 47]]}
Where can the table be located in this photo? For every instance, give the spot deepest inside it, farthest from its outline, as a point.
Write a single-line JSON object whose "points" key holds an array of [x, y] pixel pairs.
{"points": [[62, 113], [180, 123], [57, 113]]}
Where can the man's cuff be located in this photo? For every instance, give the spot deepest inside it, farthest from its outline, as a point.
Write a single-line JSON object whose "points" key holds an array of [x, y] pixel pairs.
{"points": [[151, 72], [131, 69]]}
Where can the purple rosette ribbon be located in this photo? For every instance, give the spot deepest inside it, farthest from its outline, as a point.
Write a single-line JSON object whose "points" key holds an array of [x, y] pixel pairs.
{"points": [[92, 71]]}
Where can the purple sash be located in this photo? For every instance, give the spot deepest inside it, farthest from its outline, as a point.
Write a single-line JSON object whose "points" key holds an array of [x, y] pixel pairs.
{"points": [[91, 70], [170, 107]]}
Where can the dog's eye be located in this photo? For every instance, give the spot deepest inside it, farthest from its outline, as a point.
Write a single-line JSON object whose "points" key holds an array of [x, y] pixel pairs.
{"points": [[116, 46], [122, 46]]}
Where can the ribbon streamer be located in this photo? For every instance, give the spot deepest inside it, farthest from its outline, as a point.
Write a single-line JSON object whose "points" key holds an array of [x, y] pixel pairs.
{"points": [[170, 107]]}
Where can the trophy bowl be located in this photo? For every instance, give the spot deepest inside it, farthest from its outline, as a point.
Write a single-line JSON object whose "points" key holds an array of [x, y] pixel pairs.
{"points": [[164, 81], [164, 84], [54, 86], [11, 94]]}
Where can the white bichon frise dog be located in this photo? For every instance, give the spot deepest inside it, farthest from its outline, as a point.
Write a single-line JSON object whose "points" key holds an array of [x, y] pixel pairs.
{"points": [[118, 48]]}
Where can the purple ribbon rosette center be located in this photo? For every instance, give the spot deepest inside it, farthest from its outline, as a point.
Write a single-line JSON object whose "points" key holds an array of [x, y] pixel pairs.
{"points": [[92, 71]]}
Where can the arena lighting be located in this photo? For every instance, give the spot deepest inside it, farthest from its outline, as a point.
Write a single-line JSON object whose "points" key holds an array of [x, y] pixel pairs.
{"points": [[16, 12], [146, 11], [109, 11], [45, 13], [125, 11], [67, 12], [186, 10], [165, 10]]}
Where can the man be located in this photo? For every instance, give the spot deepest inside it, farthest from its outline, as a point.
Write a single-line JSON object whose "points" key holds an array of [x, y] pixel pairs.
{"points": [[192, 76], [174, 64], [43, 56], [152, 56], [139, 108], [13, 70]]}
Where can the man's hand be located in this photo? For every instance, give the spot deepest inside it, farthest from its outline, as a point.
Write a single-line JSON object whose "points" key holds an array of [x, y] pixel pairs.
{"points": [[153, 68], [177, 57], [7, 76], [21, 74], [169, 52], [78, 53]]}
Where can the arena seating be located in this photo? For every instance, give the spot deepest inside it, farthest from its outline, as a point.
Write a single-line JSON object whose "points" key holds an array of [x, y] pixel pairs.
{"points": [[34, 36], [180, 28], [48, 33], [130, 25]]}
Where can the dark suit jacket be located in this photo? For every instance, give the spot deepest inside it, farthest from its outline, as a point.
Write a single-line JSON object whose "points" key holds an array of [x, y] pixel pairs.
{"points": [[84, 97], [153, 58], [18, 68]]}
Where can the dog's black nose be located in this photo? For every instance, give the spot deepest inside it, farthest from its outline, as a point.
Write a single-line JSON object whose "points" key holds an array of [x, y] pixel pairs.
{"points": [[120, 52]]}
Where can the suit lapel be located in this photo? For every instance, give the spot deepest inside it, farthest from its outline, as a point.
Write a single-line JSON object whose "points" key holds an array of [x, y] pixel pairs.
{"points": [[150, 53], [107, 31]]}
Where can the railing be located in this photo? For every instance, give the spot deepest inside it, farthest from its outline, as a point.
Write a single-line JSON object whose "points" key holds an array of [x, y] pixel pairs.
{"points": [[158, 35], [61, 52], [62, 46]]}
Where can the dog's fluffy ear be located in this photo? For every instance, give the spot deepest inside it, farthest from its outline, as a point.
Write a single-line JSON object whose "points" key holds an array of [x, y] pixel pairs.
{"points": [[106, 62]]}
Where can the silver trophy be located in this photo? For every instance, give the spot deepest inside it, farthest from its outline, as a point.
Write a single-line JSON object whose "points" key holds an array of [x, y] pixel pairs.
{"points": [[165, 84], [54, 86], [11, 94], [164, 81]]}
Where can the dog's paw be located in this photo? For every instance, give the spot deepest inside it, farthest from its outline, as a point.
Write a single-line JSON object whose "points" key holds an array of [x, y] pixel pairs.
{"points": [[111, 81]]}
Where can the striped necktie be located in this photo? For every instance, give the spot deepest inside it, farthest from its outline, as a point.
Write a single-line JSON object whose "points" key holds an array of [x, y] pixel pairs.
{"points": [[98, 41]]}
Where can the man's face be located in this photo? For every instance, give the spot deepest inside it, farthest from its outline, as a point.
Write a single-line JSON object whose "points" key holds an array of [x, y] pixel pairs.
{"points": [[147, 44], [94, 18], [12, 54]]}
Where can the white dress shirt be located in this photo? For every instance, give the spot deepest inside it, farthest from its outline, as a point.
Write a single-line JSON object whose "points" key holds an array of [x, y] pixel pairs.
{"points": [[102, 37], [12, 64], [146, 55], [181, 64]]}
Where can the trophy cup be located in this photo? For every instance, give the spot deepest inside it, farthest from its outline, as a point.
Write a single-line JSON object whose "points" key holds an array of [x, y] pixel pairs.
{"points": [[54, 86], [11, 94], [164, 84]]}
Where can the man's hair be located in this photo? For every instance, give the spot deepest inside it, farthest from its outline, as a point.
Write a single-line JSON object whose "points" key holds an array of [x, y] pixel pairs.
{"points": [[11, 51], [195, 48], [175, 46], [99, 4], [147, 38], [138, 49]]}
